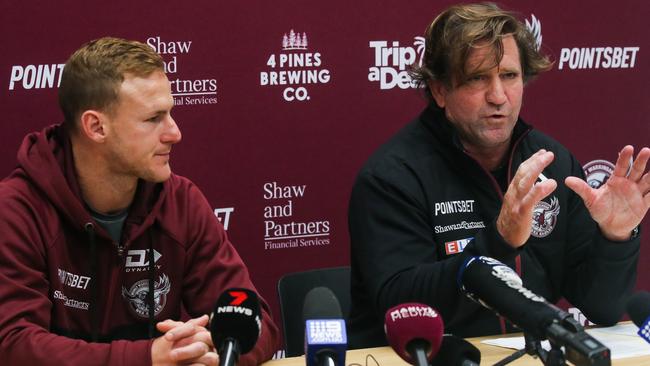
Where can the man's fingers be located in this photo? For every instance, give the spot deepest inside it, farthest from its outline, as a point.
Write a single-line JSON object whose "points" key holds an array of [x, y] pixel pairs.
{"points": [[580, 187], [205, 337], [167, 325], [208, 359], [200, 321], [623, 161], [182, 331], [644, 184], [529, 171], [639, 166], [192, 351], [540, 191]]}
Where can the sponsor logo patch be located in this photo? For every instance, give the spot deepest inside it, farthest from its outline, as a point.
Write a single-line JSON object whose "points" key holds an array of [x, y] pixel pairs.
{"points": [[456, 246], [545, 218], [71, 303], [464, 225], [73, 280]]}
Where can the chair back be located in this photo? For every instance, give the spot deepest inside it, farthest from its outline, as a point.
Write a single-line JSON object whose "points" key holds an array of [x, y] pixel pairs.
{"points": [[292, 289]]}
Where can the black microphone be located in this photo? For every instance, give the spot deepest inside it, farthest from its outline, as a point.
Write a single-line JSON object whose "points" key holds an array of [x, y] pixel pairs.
{"points": [[455, 351], [235, 324], [325, 337], [499, 288], [638, 308]]}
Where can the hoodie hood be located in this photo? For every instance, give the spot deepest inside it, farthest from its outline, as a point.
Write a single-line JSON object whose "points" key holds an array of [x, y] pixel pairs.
{"points": [[46, 159]]}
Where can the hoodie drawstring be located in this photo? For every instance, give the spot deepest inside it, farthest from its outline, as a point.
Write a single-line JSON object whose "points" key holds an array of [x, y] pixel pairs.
{"points": [[150, 294], [90, 230]]}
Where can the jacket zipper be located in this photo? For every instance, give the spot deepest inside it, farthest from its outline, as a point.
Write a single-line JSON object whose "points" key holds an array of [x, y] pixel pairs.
{"points": [[502, 320]]}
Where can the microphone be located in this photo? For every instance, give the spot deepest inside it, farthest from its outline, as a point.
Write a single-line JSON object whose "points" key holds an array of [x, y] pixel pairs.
{"points": [[235, 324], [325, 338], [456, 351], [638, 308], [414, 331], [499, 288]]}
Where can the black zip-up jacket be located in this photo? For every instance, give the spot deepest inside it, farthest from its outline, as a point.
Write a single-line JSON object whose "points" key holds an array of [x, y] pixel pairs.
{"points": [[420, 199]]}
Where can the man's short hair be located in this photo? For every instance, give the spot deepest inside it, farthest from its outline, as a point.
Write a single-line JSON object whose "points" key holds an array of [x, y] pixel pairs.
{"points": [[93, 74], [456, 31]]}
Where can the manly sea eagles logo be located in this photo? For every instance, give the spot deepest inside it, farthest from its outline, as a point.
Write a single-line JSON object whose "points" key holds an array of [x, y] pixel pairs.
{"points": [[137, 295], [597, 172], [545, 218], [535, 28]]}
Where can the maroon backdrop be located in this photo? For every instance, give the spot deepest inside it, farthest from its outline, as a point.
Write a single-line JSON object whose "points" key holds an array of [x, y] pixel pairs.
{"points": [[281, 102]]}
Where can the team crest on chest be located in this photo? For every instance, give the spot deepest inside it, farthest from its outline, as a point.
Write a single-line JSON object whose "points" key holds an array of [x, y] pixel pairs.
{"points": [[137, 296], [545, 218]]}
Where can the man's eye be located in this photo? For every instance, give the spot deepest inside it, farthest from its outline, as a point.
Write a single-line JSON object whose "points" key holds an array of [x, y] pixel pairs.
{"points": [[510, 75]]}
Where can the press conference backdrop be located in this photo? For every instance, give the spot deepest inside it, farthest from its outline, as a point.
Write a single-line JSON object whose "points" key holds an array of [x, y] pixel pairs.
{"points": [[280, 102]]}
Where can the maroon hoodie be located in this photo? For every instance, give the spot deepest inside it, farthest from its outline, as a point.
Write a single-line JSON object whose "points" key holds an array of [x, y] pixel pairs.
{"points": [[65, 283]]}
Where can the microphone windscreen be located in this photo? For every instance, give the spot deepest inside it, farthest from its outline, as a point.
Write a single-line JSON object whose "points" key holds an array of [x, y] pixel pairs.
{"points": [[236, 316], [410, 322], [325, 334], [497, 287], [456, 351], [321, 303], [638, 307]]}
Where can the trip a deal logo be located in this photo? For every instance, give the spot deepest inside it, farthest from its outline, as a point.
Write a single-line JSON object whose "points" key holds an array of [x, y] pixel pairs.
{"points": [[295, 69], [392, 62]]}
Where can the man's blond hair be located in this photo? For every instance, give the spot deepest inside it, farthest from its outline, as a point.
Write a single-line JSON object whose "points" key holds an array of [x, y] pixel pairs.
{"points": [[93, 74]]}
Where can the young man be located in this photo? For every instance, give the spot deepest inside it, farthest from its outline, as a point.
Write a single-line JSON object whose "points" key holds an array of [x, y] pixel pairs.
{"points": [[469, 177], [101, 241]]}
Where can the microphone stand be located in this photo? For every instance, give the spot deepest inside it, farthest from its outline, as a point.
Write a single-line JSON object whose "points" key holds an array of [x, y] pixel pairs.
{"points": [[533, 347], [417, 349]]}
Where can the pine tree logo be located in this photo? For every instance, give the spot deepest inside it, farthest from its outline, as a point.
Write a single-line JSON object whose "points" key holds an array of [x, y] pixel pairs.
{"points": [[294, 41]]}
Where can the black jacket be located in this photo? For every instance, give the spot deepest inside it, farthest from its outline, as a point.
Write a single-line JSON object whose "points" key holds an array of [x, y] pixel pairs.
{"points": [[420, 198]]}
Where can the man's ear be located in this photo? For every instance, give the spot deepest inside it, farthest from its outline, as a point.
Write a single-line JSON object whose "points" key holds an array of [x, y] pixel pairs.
{"points": [[438, 92], [93, 125]]}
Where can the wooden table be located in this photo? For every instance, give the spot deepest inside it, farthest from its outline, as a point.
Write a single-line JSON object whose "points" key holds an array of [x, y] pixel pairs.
{"points": [[489, 356]]}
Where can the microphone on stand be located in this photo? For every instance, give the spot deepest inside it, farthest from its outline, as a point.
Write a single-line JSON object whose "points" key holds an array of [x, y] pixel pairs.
{"points": [[325, 337], [414, 331], [499, 288], [235, 324], [456, 351]]}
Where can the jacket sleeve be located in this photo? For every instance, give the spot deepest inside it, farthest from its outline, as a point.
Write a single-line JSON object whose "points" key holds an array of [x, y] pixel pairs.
{"points": [[393, 248], [25, 338], [600, 274], [213, 266]]}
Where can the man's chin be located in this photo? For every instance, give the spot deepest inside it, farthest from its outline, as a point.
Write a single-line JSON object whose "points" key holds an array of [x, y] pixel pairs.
{"points": [[157, 177]]}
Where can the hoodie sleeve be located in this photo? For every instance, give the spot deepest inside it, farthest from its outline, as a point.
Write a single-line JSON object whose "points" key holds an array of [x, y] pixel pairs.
{"points": [[213, 266], [25, 314]]}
